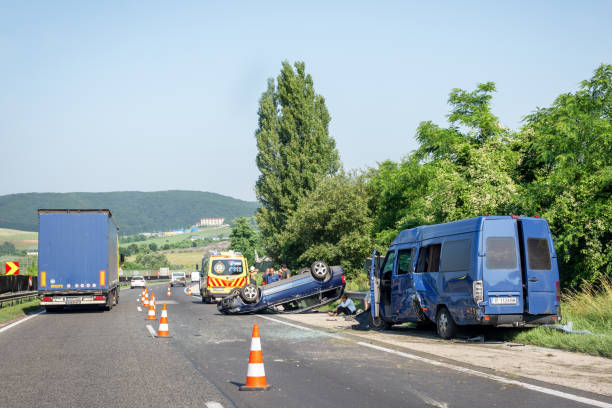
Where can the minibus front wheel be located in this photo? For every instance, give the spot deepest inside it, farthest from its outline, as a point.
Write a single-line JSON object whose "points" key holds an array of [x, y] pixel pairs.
{"points": [[378, 324], [445, 325]]}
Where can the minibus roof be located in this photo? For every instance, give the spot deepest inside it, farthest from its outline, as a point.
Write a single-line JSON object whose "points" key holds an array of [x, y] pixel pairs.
{"points": [[449, 228]]}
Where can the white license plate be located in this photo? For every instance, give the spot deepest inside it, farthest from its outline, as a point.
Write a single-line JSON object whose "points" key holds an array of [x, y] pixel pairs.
{"points": [[73, 300], [218, 289], [503, 300]]}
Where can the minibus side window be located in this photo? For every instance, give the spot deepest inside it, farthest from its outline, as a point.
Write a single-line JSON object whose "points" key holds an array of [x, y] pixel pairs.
{"points": [[539, 254], [501, 253], [429, 259], [388, 267], [404, 261], [456, 255]]}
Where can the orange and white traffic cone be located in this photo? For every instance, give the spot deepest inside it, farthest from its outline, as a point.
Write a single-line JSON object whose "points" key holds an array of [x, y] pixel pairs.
{"points": [[189, 290], [163, 323], [152, 301], [142, 296], [145, 302], [256, 376], [151, 314], [169, 292]]}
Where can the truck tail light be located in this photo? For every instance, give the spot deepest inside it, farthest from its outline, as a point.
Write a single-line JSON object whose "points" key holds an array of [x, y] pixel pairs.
{"points": [[47, 299], [43, 279], [99, 297], [102, 278], [477, 291], [558, 287], [343, 280]]}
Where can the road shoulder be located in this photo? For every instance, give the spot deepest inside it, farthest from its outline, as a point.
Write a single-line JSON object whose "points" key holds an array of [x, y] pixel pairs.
{"points": [[568, 369]]}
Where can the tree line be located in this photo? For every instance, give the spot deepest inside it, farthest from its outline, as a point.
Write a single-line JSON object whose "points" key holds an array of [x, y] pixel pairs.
{"points": [[556, 166]]}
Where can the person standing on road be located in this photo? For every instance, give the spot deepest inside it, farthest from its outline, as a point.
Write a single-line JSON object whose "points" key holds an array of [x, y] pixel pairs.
{"points": [[347, 307], [269, 275], [274, 277], [253, 274], [285, 272]]}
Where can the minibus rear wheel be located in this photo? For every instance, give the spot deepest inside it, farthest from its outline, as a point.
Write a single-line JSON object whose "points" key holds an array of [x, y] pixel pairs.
{"points": [[445, 325]]}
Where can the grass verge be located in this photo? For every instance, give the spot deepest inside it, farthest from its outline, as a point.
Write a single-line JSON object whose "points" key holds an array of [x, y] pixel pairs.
{"points": [[590, 309], [18, 310]]}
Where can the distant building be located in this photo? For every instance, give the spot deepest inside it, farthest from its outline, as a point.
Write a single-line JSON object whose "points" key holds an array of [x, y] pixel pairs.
{"points": [[208, 222]]}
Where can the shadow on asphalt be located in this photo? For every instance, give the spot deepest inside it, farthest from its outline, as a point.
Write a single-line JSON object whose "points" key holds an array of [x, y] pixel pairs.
{"points": [[77, 310], [472, 334]]}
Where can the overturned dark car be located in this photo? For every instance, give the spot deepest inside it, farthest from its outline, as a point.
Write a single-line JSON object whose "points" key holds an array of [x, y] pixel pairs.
{"points": [[311, 288]]}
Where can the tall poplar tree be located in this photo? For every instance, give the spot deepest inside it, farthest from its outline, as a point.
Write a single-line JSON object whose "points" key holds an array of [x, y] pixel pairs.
{"points": [[295, 150]]}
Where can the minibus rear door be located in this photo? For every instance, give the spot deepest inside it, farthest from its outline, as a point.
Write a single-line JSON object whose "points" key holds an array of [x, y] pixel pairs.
{"points": [[503, 284], [540, 269]]}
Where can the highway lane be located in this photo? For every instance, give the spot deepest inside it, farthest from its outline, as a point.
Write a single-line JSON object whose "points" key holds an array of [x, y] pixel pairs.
{"points": [[91, 357]]}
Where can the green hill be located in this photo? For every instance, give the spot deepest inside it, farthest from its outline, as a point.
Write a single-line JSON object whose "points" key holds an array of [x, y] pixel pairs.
{"points": [[133, 211]]}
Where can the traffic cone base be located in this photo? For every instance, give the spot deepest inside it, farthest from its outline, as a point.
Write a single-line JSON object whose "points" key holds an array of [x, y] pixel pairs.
{"points": [[256, 375], [163, 332], [151, 313]]}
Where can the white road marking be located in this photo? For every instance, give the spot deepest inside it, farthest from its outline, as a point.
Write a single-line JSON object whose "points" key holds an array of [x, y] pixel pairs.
{"points": [[150, 329], [5, 328], [213, 404], [544, 390], [139, 309]]}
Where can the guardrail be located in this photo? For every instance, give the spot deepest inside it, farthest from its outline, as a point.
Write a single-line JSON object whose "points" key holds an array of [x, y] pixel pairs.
{"points": [[13, 297], [356, 295]]}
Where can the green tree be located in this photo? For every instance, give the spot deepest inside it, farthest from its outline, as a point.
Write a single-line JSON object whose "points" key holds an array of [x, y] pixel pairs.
{"points": [[331, 223], [152, 261], [244, 239], [153, 246], [457, 172], [7, 248], [566, 173], [295, 150]]}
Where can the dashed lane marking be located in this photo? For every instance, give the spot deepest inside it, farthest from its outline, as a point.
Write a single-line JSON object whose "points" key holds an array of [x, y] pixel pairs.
{"points": [[544, 390], [139, 309], [213, 404], [150, 329], [5, 328]]}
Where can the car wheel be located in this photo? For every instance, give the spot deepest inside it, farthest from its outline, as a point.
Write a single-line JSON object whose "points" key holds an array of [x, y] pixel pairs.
{"points": [[445, 325], [249, 293], [320, 270]]}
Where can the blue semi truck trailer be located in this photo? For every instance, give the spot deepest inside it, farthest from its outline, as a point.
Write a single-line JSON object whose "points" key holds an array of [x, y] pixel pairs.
{"points": [[78, 258]]}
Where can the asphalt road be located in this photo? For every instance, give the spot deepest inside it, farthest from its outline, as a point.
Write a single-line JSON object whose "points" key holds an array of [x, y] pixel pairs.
{"points": [[90, 358]]}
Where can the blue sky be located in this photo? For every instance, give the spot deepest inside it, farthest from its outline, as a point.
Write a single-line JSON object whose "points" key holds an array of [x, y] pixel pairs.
{"points": [[148, 96]]}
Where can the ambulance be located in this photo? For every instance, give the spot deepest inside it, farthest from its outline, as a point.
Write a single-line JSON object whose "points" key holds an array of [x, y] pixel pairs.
{"points": [[223, 273]]}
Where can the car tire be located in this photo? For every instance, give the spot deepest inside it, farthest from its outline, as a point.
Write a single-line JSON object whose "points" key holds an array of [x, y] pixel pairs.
{"points": [[320, 270], [249, 293], [445, 325]]}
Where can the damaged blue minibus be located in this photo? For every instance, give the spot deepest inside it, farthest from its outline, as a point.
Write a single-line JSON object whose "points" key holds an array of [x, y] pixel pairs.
{"points": [[489, 270]]}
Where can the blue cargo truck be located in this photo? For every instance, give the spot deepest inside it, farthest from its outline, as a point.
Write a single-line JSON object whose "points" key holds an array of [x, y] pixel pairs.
{"points": [[77, 258], [489, 270]]}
